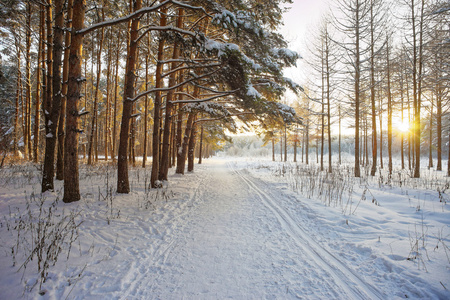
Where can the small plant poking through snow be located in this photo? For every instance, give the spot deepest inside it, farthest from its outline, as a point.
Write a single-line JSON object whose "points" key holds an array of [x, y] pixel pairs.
{"points": [[41, 234]]}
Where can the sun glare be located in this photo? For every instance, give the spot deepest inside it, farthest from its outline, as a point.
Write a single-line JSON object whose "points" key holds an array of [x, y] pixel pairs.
{"points": [[403, 127]]}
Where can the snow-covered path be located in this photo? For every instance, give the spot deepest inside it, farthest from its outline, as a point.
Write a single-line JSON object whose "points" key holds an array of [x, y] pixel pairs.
{"points": [[239, 243], [234, 230]]}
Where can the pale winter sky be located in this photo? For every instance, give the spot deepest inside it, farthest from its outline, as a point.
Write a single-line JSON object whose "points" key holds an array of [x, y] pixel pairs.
{"points": [[302, 18]]}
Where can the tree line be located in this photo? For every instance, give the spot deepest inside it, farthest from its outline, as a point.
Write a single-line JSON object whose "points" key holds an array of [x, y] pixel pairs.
{"points": [[118, 79], [381, 62]]}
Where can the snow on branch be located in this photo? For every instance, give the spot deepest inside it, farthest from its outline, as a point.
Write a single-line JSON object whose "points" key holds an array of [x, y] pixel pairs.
{"points": [[138, 13], [169, 28], [202, 100], [195, 77], [223, 48]]}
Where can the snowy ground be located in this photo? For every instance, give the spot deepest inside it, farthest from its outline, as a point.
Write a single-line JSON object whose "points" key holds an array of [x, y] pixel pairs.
{"points": [[235, 228]]}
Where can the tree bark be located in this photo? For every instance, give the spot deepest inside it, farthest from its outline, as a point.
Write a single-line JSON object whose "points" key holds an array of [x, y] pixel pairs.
{"points": [[179, 141], [71, 178], [62, 115], [107, 130], [116, 87], [94, 122], [165, 155], [285, 143], [17, 105], [430, 138], [340, 158], [48, 96], [381, 134], [123, 185], [55, 105], [147, 80], [327, 68], [191, 148], [157, 107], [39, 85], [439, 129], [390, 108], [200, 146], [181, 161], [27, 133], [372, 94], [295, 147], [357, 92]]}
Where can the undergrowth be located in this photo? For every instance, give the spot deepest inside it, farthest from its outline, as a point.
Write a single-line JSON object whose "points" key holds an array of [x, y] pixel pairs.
{"points": [[41, 232]]}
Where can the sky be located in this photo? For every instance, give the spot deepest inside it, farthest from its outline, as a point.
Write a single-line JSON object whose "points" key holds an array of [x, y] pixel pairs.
{"points": [[301, 19]]}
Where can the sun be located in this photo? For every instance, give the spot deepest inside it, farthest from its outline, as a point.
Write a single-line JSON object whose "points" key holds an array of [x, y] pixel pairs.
{"points": [[403, 126]]}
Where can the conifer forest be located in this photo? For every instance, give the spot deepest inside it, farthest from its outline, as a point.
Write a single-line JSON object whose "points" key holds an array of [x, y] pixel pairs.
{"points": [[130, 96]]}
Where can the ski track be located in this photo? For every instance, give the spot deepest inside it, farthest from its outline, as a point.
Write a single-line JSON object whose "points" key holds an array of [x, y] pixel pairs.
{"points": [[227, 226], [224, 232], [147, 267], [357, 288]]}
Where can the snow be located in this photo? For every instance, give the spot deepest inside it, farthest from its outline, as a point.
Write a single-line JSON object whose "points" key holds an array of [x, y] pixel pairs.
{"points": [[252, 92], [237, 228]]}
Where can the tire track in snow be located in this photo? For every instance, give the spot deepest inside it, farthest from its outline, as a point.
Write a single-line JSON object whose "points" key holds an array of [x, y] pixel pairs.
{"points": [[348, 280]]}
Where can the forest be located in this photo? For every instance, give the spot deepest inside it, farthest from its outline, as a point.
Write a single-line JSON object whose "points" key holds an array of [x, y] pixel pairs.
{"points": [[84, 81], [116, 80]]}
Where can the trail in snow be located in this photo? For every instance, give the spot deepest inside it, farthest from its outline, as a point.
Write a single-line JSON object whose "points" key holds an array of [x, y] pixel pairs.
{"points": [[233, 230], [238, 243], [354, 286]]}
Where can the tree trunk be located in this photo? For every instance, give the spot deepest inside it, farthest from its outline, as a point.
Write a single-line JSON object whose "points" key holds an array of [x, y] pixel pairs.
{"points": [[200, 146], [71, 179], [402, 136], [303, 145], [94, 122], [108, 97], [430, 138], [372, 94], [295, 147], [181, 161], [327, 67], [307, 140], [165, 155], [147, 80], [191, 148], [340, 159], [357, 92], [281, 146], [27, 133], [273, 150], [417, 84], [157, 106], [17, 105], [409, 123], [381, 133], [62, 115], [49, 95], [116, 87], [179, 141], [448, 160], [39, 85], [285, 143], [439, 129], [55, 105], [123, 185], [322, 124], [390, 104]]}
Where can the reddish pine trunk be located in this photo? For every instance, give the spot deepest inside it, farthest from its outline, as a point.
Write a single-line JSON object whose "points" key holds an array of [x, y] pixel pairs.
{"points": [[123, 185], [55, 103], [71, 178]]}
